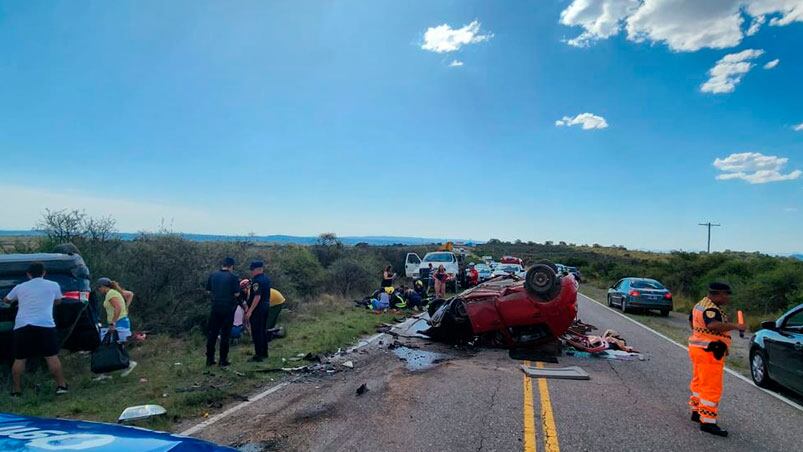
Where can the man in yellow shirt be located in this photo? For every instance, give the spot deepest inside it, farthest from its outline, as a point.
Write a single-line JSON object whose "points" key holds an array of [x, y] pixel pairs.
{"points": [[276, 304]]}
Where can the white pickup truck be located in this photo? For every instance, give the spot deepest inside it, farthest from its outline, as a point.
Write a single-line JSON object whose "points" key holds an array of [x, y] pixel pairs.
{"points": [[413, 264]]}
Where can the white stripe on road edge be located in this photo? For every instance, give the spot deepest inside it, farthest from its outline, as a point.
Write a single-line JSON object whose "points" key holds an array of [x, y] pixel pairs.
{"points": [[789, 402], [198, 427]]}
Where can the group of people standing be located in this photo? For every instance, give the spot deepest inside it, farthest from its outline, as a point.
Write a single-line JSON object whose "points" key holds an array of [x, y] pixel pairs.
{"points": [[35, 334], [237, 304]]}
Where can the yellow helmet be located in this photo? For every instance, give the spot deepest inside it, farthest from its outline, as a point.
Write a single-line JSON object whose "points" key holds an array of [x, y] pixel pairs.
{"points": [[389, 290]]}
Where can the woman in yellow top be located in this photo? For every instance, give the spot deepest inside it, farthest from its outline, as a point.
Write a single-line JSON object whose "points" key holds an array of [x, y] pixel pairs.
{"points": [[116, 301]]}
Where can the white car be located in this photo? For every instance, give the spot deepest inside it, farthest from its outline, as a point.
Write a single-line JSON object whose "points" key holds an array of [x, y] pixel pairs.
{"points": [[413, 264], [509, 269]]}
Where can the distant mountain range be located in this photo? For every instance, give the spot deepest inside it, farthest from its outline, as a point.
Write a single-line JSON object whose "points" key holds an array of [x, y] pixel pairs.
{"points": [[797, 256], [277, 239]]}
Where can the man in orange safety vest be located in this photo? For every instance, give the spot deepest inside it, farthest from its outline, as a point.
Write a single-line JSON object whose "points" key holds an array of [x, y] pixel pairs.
{"points": [[708, 345]]}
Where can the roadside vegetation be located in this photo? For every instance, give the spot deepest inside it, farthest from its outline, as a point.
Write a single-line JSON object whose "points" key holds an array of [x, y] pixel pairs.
{"points": [[167, 273]]}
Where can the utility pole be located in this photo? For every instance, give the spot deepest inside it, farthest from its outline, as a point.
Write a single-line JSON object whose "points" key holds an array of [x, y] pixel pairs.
{"points": [[709, 225]]}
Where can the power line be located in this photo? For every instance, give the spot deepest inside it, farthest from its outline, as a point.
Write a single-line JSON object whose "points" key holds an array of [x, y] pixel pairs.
{"points": [[709, 225]]}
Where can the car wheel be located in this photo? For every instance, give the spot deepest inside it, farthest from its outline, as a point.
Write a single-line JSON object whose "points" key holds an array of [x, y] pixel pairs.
{"points": [[542, 281], [664, 313], [610, 303], [624, 305], [758, 368]]}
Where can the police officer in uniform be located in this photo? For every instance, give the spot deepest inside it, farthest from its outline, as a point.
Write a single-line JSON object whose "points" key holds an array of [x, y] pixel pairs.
{"points": [[708, 345], [258, 309], [225, 288]]}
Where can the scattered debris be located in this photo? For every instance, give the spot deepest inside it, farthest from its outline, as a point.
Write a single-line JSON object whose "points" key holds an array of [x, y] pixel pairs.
{"points": [[362, 389], [616, 342], [349, 364], [143, 380], [311, 357], [102, 377], [563, 373], [418, 359], [139, 412]]}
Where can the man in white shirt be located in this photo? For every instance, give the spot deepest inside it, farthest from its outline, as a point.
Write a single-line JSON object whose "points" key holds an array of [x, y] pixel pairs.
{"points": [[34, 327]]}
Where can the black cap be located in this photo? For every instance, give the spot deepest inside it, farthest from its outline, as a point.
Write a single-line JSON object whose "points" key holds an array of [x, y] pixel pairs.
{"points": [[228, 262], [104, 282], [256, 264], [719, 287]]}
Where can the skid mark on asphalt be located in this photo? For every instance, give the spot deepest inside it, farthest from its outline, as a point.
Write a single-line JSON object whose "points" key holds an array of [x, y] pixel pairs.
{"points": [[547, 417]]}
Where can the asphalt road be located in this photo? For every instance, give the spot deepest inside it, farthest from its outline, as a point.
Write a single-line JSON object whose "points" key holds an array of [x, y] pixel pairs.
{"points": [[482, 401]]}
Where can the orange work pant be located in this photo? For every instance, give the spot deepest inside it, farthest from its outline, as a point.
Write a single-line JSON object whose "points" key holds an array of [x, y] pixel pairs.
{"points": [[706, 383]]}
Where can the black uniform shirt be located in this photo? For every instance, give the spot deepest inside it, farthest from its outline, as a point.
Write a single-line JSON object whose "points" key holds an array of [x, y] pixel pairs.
{"points": [[224, 286], [260, 285]]}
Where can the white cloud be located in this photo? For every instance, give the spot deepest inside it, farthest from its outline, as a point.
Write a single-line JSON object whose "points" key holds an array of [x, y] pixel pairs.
{"points": [[600, 19], [729, 70], [799, 127], [772, 64], [455, 63], [443, 38], [683, 25], [587, 120], [785, 11], [755, 168]]}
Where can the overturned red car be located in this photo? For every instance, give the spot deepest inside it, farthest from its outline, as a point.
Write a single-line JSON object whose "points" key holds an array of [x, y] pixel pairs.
{"points": [[508, 311]]}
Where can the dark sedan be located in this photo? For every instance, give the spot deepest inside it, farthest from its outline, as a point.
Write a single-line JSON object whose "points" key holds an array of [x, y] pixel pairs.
{"points": [[640, 293], [776, 351]]}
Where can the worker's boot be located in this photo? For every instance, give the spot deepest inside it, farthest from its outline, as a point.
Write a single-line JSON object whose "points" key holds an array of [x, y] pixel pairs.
{"points": [[714, 430], [695, 416]]}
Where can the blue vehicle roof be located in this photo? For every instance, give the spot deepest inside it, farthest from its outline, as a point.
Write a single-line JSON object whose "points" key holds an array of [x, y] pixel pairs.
{"points": [[37, 434]]}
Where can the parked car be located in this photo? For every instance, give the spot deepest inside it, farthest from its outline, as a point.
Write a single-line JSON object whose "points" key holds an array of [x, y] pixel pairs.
{"points": [[437, 258], [511, 260], [508, 310], [484, 270], [509, 269], [640, 293], [38, 434], [776, 351], [576, 273], [76, 316], [560, 268]]}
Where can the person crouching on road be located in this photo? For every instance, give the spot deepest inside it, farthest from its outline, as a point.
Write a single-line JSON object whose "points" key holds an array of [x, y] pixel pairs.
{"points": [[116, 302], [440, 282], [708, 345], [34, 327], [258, 310], [225, 288]]}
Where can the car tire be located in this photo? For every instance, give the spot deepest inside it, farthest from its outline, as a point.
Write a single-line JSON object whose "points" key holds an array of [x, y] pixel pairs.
{"points": [[758, 368], [664, 313], [542, 280], [623, 305], [610, 303]]}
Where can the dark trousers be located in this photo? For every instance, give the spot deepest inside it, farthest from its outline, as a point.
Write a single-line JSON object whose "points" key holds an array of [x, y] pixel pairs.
{"points": [[220, 323], [259, 332]]}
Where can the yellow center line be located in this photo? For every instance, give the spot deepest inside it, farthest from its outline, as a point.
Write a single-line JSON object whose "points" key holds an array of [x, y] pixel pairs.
{"points": [[550, 430], [529, 414]]}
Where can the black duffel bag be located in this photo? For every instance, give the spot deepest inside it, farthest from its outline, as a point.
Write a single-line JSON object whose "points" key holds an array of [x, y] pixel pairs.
{"points": [[111, 355]]}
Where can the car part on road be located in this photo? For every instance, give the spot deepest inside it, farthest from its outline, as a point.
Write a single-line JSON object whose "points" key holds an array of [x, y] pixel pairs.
{"points": [[140, 412], [562, 373], [362, 389]]}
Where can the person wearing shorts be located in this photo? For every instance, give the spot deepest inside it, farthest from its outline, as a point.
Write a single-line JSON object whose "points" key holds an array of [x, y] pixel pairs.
{"points": [[34, 327]]}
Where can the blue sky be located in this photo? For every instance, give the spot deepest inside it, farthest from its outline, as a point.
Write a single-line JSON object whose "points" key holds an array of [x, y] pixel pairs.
{"points": [[347, 116]]}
